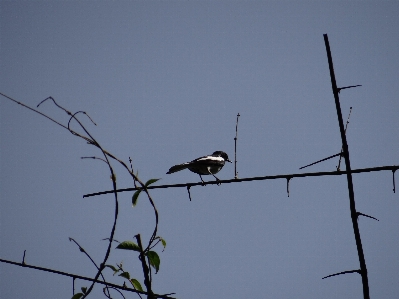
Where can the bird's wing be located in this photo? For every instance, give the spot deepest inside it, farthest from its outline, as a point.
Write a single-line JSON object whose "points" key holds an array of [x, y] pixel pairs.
{"points": [[178, 167], [209, 160], [202, 161]]}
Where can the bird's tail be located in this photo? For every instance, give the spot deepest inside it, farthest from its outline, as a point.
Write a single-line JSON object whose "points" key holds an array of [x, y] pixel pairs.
{"points": [[177, 168]]}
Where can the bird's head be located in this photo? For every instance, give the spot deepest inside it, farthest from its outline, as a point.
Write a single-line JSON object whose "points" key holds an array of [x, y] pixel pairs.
{"points": [[222, 154]]}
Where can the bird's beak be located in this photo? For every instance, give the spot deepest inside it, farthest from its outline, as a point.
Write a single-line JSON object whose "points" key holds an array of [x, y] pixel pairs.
{"points": [[229, 161]]}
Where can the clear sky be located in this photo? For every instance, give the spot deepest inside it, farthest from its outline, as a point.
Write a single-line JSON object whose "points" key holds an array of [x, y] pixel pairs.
{"points": [[164, 81]]}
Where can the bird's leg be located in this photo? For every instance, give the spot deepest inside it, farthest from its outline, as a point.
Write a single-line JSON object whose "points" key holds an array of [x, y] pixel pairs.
{"points": [[203, 183], [216, 179]]}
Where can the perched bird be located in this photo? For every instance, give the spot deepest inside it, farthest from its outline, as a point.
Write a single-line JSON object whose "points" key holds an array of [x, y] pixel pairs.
{"points": [[207, 165]]}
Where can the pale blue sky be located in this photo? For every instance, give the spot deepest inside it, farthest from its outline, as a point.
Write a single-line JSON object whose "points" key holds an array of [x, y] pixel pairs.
{"points": [[164, 82]]}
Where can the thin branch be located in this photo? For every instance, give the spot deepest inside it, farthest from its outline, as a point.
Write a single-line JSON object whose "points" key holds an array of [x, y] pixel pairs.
{"points": [[261, 178], [147, 280], [109, 295], [156, 243], [83, 278], [333, 156], [235, 149], [154, 234], [124, 283], [330, 157], [94, 158], [106, 154], [90, 258], [346, 127], [74, 115], [91, 140], [34, 110], [132, 171], [94, 142], [81, 249]]}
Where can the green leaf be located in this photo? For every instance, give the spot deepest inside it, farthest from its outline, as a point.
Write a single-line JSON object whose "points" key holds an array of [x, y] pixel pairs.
{"points": [[136, 284], [154, 260], [77, 296], [163, 243], [125, 275], [84, 289], [151, 181], [128, 245], [135, 197], [113, 268]]}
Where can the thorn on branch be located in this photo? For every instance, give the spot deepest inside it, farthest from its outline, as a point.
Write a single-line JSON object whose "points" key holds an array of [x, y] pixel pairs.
{"points": [[361, 214], [73, 285], [288, 186], [169, 294], [23, 258], [188, 190], [340, 88], [344, 272]]}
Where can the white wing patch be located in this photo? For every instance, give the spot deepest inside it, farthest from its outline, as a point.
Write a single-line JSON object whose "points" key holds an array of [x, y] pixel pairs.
{"points": [[211, 158]]}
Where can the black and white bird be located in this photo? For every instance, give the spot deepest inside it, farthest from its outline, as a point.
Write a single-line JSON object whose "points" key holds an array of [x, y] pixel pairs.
{"points": [[207, 165]]}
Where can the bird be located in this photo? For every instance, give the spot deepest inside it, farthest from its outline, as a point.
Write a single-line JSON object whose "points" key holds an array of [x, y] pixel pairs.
{"points": [[206, 165]]}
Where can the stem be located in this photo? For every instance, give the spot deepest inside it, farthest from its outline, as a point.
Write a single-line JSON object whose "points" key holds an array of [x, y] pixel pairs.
{"points": [[363, 268]]}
